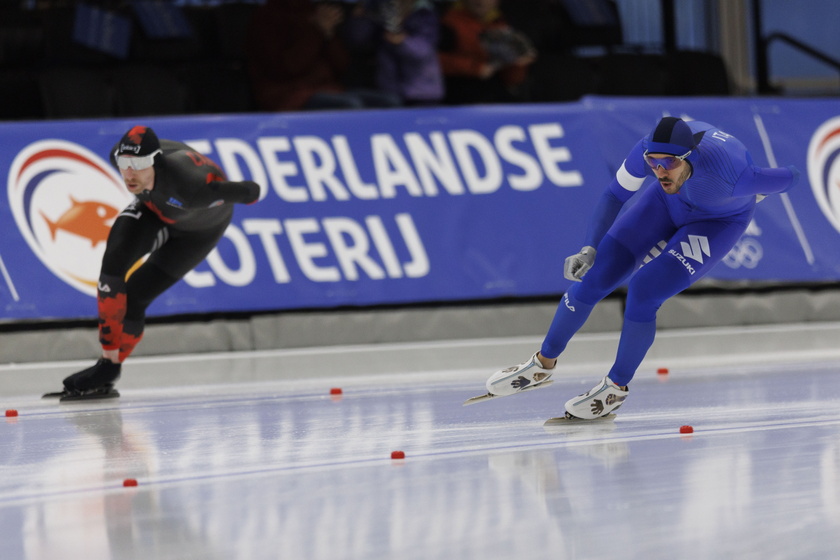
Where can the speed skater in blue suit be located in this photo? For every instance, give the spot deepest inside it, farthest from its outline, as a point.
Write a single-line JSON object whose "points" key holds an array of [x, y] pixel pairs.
{"points": [[708, 187]]}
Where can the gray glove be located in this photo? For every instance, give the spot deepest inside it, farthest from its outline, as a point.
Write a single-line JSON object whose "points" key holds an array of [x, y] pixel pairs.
{"points": [[577, 265]]}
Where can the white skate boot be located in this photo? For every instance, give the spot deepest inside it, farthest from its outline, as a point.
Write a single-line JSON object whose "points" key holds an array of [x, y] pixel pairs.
{"points": [[598, 402], [515, 379]]}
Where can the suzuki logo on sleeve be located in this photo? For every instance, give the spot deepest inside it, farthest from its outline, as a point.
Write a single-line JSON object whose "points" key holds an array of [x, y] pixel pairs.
{"points": [[697, 246]]}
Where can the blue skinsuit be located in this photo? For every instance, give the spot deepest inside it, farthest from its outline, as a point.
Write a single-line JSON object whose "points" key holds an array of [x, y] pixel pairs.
{"points": [[700, 224]]}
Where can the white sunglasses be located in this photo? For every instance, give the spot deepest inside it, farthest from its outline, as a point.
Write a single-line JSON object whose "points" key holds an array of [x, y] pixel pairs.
{"points": [[668, 162], [138, 163]]}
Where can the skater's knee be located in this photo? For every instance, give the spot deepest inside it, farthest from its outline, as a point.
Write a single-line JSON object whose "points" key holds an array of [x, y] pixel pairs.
{"points": [[588, 293], [145, 285], [612, 266], [640, 309], [646, 293], [117, 261]]}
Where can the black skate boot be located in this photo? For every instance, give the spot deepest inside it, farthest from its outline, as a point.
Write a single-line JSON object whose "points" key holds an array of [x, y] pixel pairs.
{"points": [[95, 382]]}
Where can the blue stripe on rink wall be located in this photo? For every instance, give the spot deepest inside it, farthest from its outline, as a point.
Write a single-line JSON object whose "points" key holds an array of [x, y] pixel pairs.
{"points": [[400, 206]]}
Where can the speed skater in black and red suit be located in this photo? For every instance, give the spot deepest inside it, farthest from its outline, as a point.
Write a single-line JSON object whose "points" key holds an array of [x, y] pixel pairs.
{"points": [[183, 204]]}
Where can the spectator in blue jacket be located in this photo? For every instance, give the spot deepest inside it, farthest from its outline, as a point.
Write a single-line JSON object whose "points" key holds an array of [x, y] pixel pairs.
{"points": [[403, 37]]}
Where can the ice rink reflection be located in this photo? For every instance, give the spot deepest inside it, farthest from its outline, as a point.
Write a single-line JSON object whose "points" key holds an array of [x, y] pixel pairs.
{"points": [[280, 470]]}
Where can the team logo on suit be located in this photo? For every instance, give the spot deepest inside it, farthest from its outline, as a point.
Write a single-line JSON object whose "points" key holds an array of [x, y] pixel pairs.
{"points": [[64, 199], [824, 169], [696, 248]]}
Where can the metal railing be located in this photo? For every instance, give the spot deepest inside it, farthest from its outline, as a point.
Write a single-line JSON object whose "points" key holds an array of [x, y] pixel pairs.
{"points": [[763, 65]]}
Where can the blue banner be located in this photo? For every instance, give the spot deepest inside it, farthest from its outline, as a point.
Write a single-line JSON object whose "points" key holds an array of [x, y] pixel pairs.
{"points": [[401, 206]]}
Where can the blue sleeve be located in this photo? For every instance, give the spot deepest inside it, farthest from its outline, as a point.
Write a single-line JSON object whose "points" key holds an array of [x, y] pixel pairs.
{"points": [[603, 217], [627, 181], [765, 180], [635, 161]]}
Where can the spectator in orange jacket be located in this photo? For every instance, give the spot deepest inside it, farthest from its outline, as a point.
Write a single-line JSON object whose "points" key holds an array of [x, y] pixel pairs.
{"points": [[483, 59]]}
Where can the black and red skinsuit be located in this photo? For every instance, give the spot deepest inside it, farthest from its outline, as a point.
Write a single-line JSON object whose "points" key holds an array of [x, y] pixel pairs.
{"points": [[177, 224]]}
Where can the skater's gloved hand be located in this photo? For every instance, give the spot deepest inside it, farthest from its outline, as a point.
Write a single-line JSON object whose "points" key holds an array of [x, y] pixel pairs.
{"points": [[578, 265]]}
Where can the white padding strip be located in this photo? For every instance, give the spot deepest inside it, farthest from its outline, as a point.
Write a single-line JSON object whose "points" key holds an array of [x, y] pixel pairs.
{"points": [[628, 181]]}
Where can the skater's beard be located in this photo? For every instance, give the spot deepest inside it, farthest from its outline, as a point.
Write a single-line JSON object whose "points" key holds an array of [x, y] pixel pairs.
{"points": [[673, 185]]}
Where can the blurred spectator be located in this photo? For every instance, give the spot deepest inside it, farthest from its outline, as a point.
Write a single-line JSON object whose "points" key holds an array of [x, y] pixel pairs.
{"points": [[483, 59], [298, 60], [403, 36]]}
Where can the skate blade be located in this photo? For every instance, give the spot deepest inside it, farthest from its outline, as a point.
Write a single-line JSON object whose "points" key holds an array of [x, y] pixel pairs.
{"points": [[99, 395], [561, 420], [488, 396], [64, 396]]}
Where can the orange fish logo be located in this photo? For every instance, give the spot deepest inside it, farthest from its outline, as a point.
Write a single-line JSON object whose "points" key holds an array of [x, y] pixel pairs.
{"points": [[64, 199], [91, 220]]}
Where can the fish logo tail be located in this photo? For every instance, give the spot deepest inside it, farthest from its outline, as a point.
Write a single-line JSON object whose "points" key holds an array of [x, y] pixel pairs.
{"points": [[50, 224]]}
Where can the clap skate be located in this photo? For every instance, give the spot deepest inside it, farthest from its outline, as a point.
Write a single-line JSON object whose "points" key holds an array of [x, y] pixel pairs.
{"points": [[103, 392], [569, 419], [95, 382], [598, 403], [516, 379]]}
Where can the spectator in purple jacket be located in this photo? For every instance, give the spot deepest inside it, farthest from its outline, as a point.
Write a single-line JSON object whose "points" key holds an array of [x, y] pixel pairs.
{"points": [[403, 36]]}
